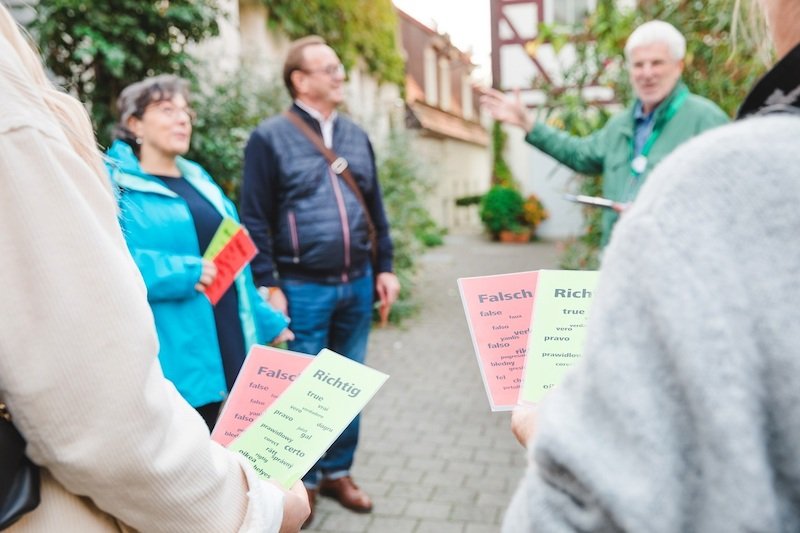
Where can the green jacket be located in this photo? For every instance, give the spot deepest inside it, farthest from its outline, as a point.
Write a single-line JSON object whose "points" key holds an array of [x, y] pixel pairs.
{"points": [[608, 150]]}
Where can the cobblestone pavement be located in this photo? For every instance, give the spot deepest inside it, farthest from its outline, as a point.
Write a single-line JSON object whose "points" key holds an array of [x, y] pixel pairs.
{"points": [[432, 455]]}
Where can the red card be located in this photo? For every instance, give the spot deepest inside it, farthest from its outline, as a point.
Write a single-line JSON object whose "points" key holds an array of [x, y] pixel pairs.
{"points": [[230, 261], [265, 374]]}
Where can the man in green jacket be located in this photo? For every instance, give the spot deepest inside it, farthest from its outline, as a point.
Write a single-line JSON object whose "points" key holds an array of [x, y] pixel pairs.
{"points": [[630, 145]]}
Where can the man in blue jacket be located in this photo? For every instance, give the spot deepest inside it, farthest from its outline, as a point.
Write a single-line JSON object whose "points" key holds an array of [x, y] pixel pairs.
{"points": [[312, 232]]}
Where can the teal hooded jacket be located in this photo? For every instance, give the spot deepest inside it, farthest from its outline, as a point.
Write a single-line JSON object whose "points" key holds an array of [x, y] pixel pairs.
{"points": [[161, 236], [608, 150]]}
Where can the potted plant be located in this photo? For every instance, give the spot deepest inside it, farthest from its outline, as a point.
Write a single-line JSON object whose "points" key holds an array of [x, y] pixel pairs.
{"points": [[509, 217], [502, 212]]}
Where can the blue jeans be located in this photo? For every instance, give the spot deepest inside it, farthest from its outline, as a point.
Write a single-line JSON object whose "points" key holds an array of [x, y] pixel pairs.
{"points": [[337, 317]]}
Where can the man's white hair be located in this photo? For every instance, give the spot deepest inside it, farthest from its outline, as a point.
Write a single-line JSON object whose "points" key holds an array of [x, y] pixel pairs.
{"points": [[657, 31]]}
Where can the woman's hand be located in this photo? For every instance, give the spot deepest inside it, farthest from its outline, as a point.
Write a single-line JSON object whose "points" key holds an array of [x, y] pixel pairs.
{"points": [[207, 276], [295, 508], [276, 299], [283, 336], [523, 423]]}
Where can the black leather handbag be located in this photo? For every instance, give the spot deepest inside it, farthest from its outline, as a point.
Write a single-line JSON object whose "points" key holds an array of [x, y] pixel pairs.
{"points": [[19, 477]]}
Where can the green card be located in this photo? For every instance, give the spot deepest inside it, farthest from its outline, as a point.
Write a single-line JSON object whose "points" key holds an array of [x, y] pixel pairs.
{"points": [[558, 328], [299, 427], [225, 232]]}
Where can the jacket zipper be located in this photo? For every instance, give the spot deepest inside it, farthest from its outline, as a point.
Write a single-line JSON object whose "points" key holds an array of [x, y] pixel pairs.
{"points": [[337, 191], [295, 239]]}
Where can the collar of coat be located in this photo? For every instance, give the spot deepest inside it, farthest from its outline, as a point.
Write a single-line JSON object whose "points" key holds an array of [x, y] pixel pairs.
{"points": [[126, 173], [778, 91], [659, 111]]}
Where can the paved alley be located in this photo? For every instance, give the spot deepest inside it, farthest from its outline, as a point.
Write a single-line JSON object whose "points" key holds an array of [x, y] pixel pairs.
{"points": [[433, 456]]}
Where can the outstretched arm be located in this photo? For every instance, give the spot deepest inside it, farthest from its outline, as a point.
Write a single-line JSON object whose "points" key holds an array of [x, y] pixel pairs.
{"points": [[505, 108]]}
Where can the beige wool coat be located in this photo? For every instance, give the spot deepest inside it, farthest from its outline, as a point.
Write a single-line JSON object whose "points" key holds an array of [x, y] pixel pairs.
{"points": [[119, 448]]}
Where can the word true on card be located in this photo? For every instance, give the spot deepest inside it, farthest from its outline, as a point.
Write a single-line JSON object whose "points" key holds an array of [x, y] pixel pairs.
{"points": [[498, 310], [558, 329], [301, 424]]}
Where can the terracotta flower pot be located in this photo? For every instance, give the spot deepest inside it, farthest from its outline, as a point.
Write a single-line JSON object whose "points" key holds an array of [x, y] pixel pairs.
{"points": [[515, 237]]}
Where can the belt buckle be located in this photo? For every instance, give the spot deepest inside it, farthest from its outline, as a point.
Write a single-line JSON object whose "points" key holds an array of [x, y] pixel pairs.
{"points": [[339, 165]]}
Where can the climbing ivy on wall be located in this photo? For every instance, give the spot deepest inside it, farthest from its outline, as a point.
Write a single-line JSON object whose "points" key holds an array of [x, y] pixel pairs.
{"points": [[356, 29]]}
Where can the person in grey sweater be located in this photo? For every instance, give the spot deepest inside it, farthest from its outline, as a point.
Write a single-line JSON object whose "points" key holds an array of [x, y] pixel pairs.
{"points": [[684, 413]]}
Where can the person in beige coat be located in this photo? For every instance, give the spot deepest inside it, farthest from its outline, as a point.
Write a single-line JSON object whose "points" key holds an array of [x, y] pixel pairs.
{"points": [[119, 449]]}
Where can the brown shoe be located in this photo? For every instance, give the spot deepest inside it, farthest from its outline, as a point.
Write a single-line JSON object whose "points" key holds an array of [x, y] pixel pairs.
{"points": [[312, 499], [347, 493]]}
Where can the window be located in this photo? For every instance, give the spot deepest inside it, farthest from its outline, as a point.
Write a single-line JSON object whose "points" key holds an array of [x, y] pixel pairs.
{"points": [[445, 89], [466, 98], [431, 77], [571, 12]]}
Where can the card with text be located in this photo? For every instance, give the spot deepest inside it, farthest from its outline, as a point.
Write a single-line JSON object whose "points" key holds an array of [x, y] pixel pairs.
{"points": [[558, 329], [265, 374], [299, 427], [498, 310], [231, 249]]}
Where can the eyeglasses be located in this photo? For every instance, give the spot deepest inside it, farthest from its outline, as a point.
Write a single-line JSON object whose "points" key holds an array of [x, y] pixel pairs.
{"points": [[331, 70], [173, 112]]}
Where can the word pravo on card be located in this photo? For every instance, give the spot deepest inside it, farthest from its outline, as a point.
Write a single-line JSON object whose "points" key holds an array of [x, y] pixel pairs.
{"points": [[231, 249], [558, 329], [527, 328], [300, 425]]}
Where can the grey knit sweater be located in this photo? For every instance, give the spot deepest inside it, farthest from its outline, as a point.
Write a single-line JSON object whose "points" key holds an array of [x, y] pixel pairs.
{"points": [[684, 414]]}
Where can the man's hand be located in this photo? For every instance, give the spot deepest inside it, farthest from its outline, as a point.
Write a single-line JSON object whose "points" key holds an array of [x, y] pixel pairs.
{"points": [[207, 275], [620, 207], [523, 423], [388, 288], [506, 109], [295, 508]]}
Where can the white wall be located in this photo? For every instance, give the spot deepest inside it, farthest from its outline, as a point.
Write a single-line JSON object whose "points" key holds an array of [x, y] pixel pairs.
{"points": [[262, 50], [221, 54], [540, 174], [455, 169], [375, 107]]}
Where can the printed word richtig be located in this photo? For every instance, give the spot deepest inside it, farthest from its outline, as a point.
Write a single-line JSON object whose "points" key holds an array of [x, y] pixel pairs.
{"points": [[503, 296], [569, 293], [336, 382]]}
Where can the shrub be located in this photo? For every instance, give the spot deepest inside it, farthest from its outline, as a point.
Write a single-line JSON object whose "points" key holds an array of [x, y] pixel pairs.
{"points": [[404, 185], [465, 201], [226, 115], [533, 212], [502, 209]]}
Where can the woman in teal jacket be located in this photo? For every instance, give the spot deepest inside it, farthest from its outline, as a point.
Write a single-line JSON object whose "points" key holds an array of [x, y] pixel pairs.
{"points": [[169, 210]]}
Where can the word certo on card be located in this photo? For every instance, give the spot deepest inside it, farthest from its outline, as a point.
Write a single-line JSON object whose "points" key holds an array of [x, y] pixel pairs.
{"points": [[498, 310], [265, 374], [558, 329], [231, 249], [301, 424]]}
